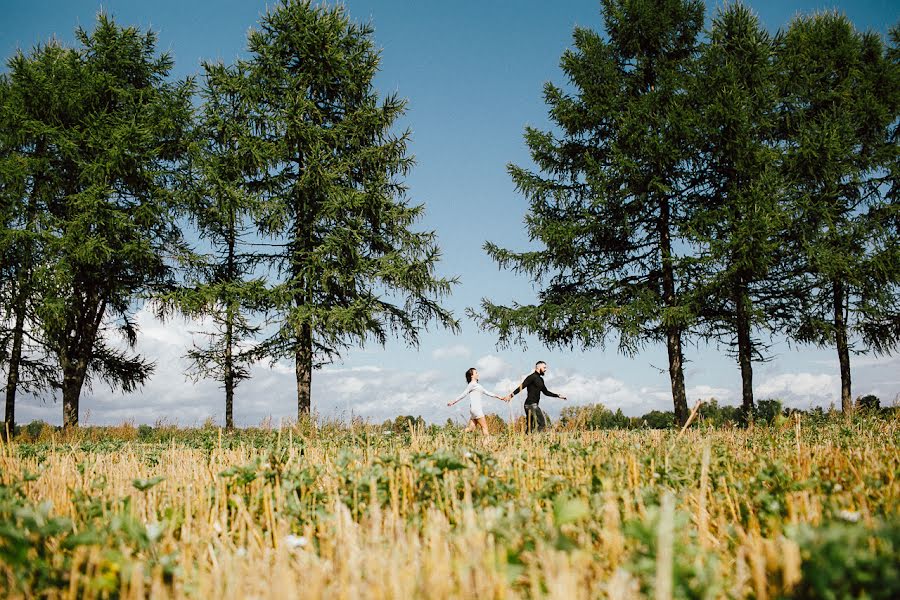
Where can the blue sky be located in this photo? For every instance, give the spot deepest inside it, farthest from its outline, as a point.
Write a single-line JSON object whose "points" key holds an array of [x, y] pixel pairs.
{"points": [[473, 74]]}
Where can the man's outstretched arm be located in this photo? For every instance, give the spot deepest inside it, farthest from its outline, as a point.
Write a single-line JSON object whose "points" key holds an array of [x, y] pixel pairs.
{"points": [[547, 392]]}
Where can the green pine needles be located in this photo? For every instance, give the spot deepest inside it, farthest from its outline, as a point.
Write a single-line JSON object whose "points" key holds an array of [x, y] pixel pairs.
{"points": [[351, 266], [713, 188], [608, 202], [106, 128]]}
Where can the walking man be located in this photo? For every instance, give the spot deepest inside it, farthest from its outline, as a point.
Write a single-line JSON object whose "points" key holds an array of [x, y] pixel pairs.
{"points": [[534, 383]]}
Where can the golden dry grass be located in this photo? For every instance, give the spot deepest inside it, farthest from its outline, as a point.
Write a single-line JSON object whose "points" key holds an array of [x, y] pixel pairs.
{"points": [[358, 514]]}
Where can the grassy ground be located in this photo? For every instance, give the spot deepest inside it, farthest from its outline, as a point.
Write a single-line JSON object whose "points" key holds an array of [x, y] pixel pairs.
{"points": [[802, 509]]}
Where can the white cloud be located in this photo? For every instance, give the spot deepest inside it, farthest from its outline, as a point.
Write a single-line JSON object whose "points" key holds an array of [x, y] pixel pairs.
{"points": [[377, 386], [450, 352], [705, 392], [800, 389], [864, 362], [493, 367], [583, 389]]}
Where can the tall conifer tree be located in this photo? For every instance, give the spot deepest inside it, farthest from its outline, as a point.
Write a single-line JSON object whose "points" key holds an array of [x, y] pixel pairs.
{"points": [[352, 267], [607, 202], [840, 99], [113, 131], [221, 285], [738, 221], [30, 97]]}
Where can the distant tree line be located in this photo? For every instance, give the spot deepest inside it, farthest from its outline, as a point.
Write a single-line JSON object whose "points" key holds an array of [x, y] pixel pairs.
{"points": [[710, 413], [725, 186], [719, 185]]}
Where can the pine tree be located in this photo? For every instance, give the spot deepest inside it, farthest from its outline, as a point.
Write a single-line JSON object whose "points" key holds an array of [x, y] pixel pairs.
{"points": [[840, 99], [607, 203], [113, 129], [221, 285], [351, 267], [738, 222], [27, 181]]}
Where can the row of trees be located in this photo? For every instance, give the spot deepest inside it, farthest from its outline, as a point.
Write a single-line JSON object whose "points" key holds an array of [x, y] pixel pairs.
{"points": [[288, 170], [697, 186], [725, 187], [710, 413]]}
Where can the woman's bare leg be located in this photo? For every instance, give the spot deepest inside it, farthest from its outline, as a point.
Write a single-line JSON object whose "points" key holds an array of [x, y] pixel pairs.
{"points": [[482, 422], [470, 426]]}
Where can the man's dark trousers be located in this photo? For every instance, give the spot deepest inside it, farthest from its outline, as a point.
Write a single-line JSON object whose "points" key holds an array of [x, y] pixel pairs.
{"points": [[534, 417]]}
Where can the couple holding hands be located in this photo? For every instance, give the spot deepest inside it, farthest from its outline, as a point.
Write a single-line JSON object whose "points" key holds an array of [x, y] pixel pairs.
{"points": [[534, 384]]}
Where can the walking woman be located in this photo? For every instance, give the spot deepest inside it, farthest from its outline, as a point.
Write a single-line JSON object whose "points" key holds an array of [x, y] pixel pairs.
{"points": [[475, 392]]}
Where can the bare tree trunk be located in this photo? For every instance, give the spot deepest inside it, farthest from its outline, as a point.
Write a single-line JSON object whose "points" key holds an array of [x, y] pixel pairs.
{"points": [[673, 333], [676, 375], [73, 380], [12, 380], [303, 349], [76, 353], [303, 367], [745, 348], [23, 290], [230, 313], [229, 373], [843, 349]]}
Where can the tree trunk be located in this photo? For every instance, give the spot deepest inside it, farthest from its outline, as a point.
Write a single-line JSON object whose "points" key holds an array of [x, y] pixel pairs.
{"points": [[303, 366], [676, 375], [76, 352], [229, 373], [12, 381], [303, 349], [73, 380], [23, 290], [745, 347], [230, 314], [843, 349], [673, 332]]}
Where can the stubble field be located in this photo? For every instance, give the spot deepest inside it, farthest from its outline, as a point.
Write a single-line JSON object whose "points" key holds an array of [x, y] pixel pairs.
{"points": [[799, 510]]}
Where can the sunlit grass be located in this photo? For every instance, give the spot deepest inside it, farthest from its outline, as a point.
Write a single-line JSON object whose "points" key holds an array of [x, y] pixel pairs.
{"points": [[340, 512]]}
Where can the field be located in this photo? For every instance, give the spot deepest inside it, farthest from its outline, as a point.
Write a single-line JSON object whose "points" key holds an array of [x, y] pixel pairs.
{"points": [[802, 509]]}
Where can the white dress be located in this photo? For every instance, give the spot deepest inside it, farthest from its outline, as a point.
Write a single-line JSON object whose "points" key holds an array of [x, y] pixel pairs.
{"points": [[475, 393]]}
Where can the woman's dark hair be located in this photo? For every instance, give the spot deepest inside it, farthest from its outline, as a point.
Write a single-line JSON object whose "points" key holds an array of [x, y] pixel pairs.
{"points": [[469, 375]]}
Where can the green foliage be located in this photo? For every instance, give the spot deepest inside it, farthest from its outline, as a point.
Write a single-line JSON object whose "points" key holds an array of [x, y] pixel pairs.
{"points": [[37, 548], [145, 432], [712, 414], [220, 201], [107, 131], [768, 491], [405, 423], [352, 266], [738, 219], [35, 429], [26, 531], [142, 485], [597, 416], [605, 204], [693, 575], [842, 560], [868, 402], [23, 195], [768, 411], [840, 95]]}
